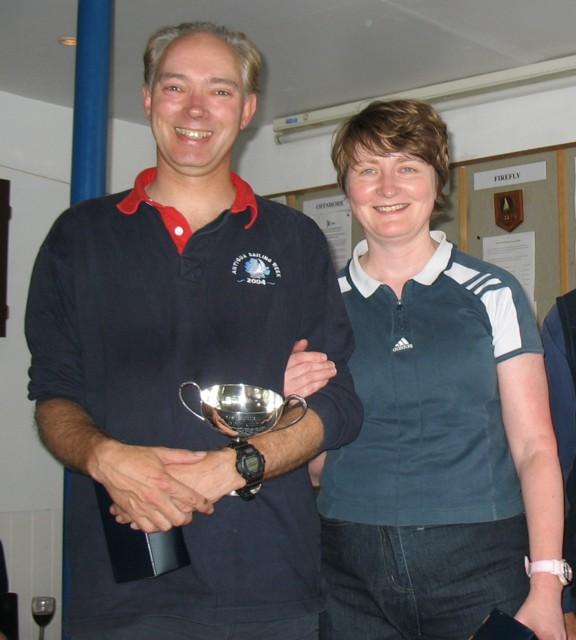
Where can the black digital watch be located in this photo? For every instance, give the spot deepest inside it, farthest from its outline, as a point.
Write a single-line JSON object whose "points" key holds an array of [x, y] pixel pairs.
{"points": [[250, 464]]}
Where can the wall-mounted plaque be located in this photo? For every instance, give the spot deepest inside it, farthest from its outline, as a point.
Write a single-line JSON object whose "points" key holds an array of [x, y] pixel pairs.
{"points": [[508, 209]]}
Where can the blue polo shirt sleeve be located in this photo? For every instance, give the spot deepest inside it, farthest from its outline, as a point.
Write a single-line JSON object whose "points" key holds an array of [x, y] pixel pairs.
{"points": [[561, 389], [56, 366], [326, 326]]}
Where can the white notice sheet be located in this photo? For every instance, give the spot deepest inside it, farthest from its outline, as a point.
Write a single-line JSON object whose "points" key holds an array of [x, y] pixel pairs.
{"points": [[516, 253], [334, 217]]}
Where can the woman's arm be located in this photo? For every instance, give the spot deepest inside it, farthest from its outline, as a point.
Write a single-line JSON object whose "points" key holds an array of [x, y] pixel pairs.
{"points": [[526, 414], [306, 373]]}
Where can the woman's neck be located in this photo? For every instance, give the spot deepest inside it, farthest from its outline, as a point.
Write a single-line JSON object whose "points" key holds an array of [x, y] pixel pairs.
{"points": [[394, 263]]}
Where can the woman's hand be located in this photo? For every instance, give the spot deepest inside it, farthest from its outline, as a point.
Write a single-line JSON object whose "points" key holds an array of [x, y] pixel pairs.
{"points": [[307, 371], [542, 610], [315, 467]]}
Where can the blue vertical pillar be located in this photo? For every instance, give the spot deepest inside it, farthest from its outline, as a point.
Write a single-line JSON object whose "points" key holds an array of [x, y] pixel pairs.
{"points": [[90, 139]]}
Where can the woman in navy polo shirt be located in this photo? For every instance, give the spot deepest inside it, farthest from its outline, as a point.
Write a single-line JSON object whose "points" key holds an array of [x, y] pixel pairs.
{"points": [[454, 479]]}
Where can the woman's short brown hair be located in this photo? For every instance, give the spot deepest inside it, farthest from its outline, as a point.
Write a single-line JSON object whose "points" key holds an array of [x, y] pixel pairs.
{"points": [[249, 55], [407, 126]]}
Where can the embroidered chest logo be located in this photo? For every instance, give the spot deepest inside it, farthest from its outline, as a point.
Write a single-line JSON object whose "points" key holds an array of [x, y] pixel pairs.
{"points": [[402, 345], [256, 268]]}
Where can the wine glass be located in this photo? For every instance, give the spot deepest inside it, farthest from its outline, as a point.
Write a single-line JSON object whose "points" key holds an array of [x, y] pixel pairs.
{"points": [[43, 608]]}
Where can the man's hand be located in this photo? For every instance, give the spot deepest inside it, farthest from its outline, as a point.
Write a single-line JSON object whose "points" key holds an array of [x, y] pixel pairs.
{"points": [[214, 476], [142, 489], [307, 371], [143, 492]]}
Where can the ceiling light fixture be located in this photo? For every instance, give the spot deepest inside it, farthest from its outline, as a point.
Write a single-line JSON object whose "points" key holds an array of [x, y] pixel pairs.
{"points": [[68, 41], [305, 124]]}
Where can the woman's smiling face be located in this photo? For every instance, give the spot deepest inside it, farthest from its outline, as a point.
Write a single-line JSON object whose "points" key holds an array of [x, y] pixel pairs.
{"points": [[391, 195]]}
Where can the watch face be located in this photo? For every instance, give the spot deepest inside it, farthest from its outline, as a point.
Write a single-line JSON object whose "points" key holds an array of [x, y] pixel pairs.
{"points": [[567, 572], [252, 464]]}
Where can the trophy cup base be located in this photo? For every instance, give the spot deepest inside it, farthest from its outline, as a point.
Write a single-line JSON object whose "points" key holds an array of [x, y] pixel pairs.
{"points": [[136, 555]]}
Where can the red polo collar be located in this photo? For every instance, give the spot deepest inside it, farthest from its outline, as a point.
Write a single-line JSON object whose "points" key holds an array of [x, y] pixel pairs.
{"points": [[174, 221]]}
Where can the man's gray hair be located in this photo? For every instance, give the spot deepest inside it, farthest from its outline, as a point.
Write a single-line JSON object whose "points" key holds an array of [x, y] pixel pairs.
{"points": [[249, 55]]}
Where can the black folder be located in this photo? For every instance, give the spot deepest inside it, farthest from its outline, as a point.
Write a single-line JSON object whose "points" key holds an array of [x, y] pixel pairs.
{"points": [[501, 626], [135, 555]]}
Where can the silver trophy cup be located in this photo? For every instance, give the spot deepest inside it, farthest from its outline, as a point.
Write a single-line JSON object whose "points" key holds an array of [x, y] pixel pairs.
{"points": [[241, 411]]}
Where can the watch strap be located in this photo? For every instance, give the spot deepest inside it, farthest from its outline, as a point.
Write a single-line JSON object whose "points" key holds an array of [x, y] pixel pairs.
{"points": [[559, 568], [247, 493]]}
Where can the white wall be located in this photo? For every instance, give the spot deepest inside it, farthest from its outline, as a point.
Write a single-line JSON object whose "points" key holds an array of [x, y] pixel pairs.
{"points": [[488, 128], [35, 143]]}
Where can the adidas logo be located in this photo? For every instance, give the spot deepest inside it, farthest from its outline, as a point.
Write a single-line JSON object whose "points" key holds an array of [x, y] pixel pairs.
{"points": [[402, 344]]}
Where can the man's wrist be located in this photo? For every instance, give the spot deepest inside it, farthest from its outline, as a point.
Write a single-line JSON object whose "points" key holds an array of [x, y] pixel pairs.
{"points": [[250, 465], [234, 480], [101, 448]]}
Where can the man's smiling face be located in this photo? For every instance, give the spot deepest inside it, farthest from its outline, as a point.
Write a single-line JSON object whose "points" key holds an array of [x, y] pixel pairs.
{"points": [[197, 105]]}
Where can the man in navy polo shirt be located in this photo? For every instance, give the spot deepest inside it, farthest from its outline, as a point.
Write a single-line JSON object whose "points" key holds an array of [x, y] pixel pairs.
{"points": [[189, 276]]}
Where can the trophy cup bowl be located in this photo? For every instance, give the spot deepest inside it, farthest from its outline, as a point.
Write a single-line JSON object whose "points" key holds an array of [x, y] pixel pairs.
{"points": [[241, 411]]}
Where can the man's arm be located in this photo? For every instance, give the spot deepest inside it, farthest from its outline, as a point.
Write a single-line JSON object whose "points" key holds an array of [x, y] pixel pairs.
{"points": [[283, 450], [215, 476], [288, 449], [135, 477]]}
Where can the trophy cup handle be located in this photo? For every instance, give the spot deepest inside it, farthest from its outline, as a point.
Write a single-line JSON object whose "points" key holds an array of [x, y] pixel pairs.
{"points": [[183, 401], [290, 402]]}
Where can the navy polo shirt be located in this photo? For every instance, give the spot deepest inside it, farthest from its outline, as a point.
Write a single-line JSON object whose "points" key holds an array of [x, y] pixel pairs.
{"points": [[432, 449]]}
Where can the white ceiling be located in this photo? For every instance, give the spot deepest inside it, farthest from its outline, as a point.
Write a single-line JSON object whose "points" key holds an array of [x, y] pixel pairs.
{"points": [[318, 52]]}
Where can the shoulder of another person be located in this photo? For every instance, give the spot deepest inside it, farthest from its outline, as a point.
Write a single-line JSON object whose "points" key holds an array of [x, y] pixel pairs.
{"points": [[567, 302]]}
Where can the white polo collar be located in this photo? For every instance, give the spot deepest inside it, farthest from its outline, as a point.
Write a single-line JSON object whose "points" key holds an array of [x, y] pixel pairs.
{"points": [[438, 262]]}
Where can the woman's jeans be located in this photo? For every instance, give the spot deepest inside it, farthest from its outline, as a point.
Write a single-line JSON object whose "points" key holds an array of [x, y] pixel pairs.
{"points": [[420, 583]]}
